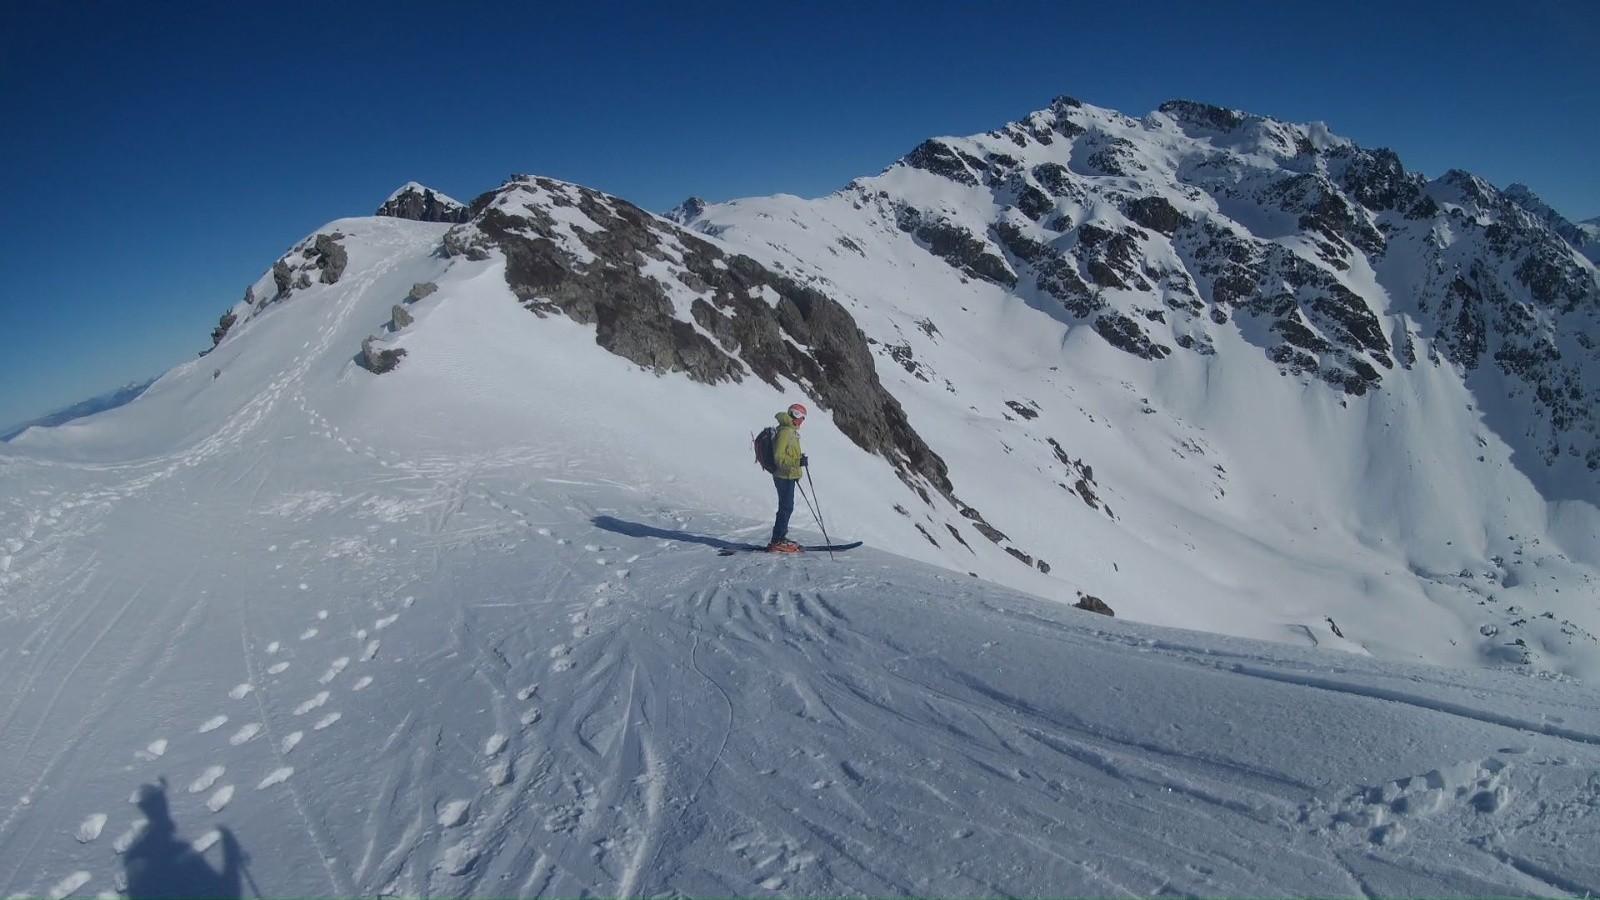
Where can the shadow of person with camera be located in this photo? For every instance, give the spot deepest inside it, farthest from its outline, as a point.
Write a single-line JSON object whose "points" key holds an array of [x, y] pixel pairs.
{"points": [[159, 864]]}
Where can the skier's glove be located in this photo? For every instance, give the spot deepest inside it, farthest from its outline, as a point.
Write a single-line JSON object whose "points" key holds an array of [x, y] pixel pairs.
{"points": [[804, 461]]}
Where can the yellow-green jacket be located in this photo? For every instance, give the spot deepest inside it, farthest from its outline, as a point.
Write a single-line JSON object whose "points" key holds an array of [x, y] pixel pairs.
{"points": [[786, 448]]}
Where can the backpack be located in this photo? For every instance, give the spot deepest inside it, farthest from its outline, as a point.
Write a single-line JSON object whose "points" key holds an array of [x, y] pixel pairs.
{"points": [[762, 443]]}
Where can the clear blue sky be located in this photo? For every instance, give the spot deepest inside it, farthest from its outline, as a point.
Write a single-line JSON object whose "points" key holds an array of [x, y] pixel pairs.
{"points": [[158, 156]]}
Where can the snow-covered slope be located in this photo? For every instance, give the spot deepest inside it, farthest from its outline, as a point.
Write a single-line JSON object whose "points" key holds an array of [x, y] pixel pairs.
{"points": [[459, 627]]}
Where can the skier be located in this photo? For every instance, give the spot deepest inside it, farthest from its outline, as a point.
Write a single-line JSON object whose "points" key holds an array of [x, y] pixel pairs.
{"points": [[786, 453]]}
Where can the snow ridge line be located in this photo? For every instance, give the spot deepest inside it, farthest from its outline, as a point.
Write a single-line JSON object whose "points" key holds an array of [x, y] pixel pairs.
{"points": [[1444, 706]]}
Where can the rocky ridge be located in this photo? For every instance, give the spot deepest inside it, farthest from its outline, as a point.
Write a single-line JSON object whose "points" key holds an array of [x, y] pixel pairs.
{"points": [[1336, 261], [672, 302]]}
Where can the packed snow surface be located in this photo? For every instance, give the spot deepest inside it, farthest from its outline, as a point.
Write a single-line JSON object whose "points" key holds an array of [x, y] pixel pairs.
{"points": [[462, 630]]}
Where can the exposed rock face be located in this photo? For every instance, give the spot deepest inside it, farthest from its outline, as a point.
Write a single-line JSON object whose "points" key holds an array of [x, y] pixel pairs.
{"points": [[576, 252], [1094, 604], [1583, 235], [229, 319], [422, 204], [960, 248], [379, 360], [328, 255], [223, 324], [321, 255], [687, 211]]}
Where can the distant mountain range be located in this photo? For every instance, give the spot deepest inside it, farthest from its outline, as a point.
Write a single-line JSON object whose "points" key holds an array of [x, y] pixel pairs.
{"points": [[111, 400]]}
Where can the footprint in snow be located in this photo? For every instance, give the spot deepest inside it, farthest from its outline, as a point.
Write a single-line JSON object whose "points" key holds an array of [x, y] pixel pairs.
{"points": [[290, 742], [246, 733], [154, 750], [126, 839], [278, 668], [273, 647], [326, 720], [385, 622], [559, 653], [213, 723], [313, 703], [90, 828], [495, 745], [458, 860], [499, 774], [276, 776], [371, 651], [361, 683], [308, 634], [454, 813], [241, 691], [220, 799], [334, 669], [69, 885], [207, 779]]}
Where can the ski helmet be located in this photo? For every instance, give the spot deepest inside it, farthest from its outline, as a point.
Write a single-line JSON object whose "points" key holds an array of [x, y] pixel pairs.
{"points": [[797, 412]]}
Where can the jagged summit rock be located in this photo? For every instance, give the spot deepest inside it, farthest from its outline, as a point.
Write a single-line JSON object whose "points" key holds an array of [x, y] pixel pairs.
{"points": [[687, 211], [423, 204], [1585, 236]]}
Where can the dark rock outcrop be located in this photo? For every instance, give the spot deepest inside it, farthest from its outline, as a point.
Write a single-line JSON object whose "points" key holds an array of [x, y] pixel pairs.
{"points": [[962, 249], [328, 255], [321, 255], [422, 204], [379, 360], [1093, 604], [1157, 214], [1202, 116]]}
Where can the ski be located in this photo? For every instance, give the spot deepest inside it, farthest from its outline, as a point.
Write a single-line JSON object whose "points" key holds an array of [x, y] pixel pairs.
{"points": [[807, 548]]}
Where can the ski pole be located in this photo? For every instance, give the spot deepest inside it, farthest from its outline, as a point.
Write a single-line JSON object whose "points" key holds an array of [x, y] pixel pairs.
{"points": [[251, 880], [818, 510], [815, 516]]}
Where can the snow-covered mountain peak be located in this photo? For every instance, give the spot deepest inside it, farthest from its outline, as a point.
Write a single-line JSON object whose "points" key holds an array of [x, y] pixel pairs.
{"points": [[687, 211], [1201, 245], [422, 204], [1585, 236]]}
